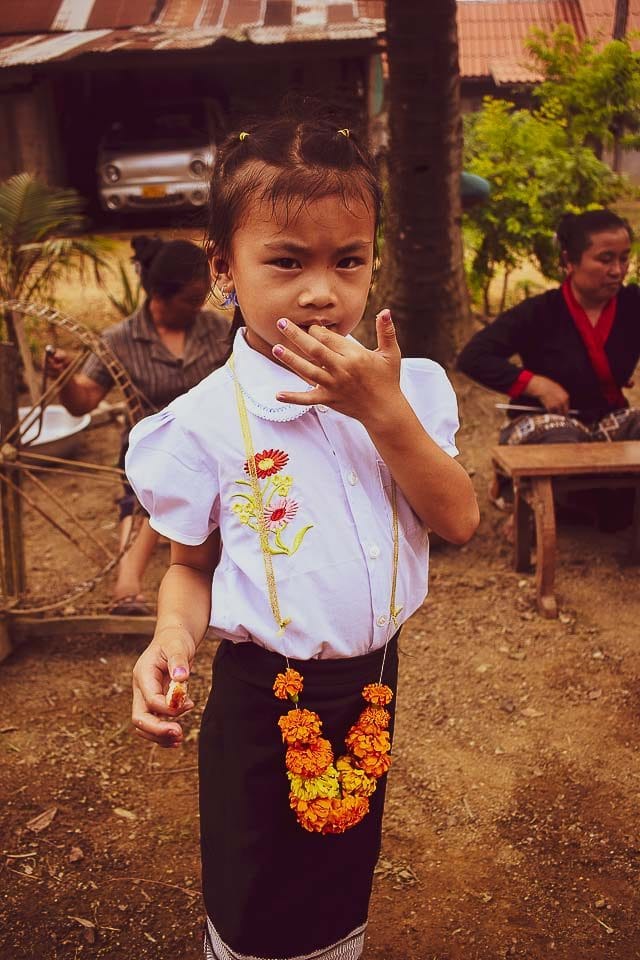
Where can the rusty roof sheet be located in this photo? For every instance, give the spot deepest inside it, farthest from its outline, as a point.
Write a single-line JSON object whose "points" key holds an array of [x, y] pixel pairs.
{"points": [[492, 36], [44, 16], [492, 33]]}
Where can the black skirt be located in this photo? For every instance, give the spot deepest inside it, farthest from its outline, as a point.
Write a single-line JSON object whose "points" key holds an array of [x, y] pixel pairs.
{"points": [[271, 889]]}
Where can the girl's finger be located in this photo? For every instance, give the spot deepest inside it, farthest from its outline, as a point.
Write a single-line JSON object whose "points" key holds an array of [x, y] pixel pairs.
{"points": [[303, 368], [385, 332], [307, 399], [317, 343]]}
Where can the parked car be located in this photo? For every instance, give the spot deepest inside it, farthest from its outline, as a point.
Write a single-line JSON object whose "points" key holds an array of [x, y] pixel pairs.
{"points": [[159, 157]]}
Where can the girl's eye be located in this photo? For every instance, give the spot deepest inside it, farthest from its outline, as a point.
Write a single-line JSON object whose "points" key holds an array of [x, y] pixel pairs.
{"points": [[348, 263], [285, 263]]}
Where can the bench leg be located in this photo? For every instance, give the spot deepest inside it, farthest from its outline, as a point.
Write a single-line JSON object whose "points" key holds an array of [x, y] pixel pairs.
{"points": [[545, 518], [521, 530]]}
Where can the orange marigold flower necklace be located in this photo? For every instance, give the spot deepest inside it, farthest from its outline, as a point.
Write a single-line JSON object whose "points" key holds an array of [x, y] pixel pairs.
{"points": [[327, 795]]}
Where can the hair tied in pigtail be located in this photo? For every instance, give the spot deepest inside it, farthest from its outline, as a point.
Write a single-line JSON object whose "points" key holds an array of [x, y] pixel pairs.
{"points": [[243, 136], [345, 132]]}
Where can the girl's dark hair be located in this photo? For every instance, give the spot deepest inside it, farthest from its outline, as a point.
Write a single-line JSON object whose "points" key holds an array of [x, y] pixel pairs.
{"points": [[307, 160], [167, 267], [576, 229]]}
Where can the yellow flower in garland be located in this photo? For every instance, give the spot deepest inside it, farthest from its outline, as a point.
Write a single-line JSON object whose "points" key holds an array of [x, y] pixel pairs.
{"points": [[310, 788], [353, 780], [288, 684], [300, 726], [379, 694], [310, 760]]}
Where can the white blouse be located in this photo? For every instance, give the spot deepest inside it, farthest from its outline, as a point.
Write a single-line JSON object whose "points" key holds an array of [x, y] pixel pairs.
{"points": [[326, 494]]}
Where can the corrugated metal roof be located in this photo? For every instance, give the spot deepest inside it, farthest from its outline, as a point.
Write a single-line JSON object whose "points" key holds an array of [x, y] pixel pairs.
{"points": [[492, 34], [32, 16]]}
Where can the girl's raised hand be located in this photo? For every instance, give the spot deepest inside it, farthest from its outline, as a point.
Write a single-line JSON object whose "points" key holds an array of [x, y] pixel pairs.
{"points": [[166, 658], [346, 376]]}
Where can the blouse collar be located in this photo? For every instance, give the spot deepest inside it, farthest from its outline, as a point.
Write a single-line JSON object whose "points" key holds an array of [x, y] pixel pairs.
{"points": [[260, 379]]}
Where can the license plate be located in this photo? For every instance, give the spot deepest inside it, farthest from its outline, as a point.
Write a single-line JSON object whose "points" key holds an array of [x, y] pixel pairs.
{"points": [[154, 190]]}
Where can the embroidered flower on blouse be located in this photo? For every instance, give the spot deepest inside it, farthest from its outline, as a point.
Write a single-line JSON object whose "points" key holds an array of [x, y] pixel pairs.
{"points": [[278, 516], [267, 505], [268, 462]]}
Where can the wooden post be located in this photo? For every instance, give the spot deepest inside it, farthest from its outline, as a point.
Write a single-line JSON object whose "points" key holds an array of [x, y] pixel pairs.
{"points": [[13, 580], [20, 334]]}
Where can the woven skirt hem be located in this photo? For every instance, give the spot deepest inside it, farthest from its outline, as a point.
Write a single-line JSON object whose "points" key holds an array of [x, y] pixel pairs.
{"points": [[349, 948]]}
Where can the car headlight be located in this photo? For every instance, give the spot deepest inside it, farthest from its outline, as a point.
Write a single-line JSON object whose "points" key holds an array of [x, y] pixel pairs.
{"points": [[111, 173], [198, 168]]}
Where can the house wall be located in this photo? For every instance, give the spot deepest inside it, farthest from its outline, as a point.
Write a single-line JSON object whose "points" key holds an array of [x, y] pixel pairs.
{"points": [[29, 133]]}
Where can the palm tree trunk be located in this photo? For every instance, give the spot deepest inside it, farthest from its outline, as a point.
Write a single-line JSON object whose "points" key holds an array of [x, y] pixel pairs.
{"points": [[422, 277]]}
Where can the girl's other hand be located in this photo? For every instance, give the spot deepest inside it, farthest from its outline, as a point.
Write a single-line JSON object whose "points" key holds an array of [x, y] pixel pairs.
{"points": [[165, 659], [346, 376]]}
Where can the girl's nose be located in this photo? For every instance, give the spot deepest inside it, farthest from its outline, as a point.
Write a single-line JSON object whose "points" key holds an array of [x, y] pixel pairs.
{"points": [[317, 292]]}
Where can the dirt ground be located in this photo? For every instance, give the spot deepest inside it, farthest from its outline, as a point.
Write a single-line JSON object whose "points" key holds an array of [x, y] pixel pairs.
{"points": [[511, 828]]}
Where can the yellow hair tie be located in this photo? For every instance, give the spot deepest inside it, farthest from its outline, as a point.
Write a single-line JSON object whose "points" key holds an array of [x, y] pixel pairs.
{"points": [[345, 132], [243, 135]]}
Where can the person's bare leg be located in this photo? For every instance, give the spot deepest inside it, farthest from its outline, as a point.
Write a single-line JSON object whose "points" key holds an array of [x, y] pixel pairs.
{"points": [[136, 559]]}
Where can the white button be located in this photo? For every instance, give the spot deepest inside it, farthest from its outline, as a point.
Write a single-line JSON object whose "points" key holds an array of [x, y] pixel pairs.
{"points": [[381, 621], [352, 477], [374, 552], [320, 407]]}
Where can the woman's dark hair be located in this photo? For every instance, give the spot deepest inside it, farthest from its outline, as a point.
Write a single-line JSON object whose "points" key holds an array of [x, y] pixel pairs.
{"points": [[307, 159], [167, 267], [576, 229]]}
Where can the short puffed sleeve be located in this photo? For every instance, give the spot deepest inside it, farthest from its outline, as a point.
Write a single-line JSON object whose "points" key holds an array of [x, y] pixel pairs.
{"points": [[428, 390], [170, 478]]}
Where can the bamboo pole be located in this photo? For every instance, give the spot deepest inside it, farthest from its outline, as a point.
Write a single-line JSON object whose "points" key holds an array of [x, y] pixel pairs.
{"points": [[17, 323]]}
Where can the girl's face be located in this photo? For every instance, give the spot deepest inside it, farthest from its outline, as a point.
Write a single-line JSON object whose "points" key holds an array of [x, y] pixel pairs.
{"points": [[602, 267], [313, 267]]}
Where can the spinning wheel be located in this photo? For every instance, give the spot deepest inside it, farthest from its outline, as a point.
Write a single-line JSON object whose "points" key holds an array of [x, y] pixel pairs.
{"points": [[59, 538]]}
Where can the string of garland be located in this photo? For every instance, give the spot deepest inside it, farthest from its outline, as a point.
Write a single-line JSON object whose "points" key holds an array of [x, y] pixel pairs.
{"points": [[330, 796]]}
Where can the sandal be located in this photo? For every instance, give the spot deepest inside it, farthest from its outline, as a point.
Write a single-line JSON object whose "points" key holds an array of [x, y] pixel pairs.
{"points": [[130, 606]]}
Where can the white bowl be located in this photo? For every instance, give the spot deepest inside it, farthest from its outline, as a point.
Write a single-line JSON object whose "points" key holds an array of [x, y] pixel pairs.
{"points": [[60, 430]]}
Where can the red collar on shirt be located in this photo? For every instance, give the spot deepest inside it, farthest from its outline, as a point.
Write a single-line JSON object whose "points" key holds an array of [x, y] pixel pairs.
{"points": [[594, 339]]}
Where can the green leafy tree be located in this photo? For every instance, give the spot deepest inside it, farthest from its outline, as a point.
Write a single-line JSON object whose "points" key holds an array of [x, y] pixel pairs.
{"points": [[594, 92], [537, 173], [40, 241]]}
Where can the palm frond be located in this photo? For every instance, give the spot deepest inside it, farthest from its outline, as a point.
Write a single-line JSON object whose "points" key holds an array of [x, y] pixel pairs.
{"points": [[31, 211]]}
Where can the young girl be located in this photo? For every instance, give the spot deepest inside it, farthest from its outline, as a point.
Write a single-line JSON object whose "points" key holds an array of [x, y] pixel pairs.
{"points": [[321, 464]]}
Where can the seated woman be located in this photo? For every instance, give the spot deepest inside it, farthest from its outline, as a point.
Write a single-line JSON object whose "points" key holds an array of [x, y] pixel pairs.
{"points": [[166, 347], [578, 344]]}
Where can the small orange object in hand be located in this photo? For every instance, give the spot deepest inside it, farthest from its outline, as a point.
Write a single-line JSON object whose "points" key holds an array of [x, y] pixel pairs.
{"points": [[176, 694]]}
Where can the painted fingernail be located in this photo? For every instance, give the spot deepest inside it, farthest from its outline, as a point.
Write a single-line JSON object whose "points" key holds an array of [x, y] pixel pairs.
{"points": [[385, 315], [278, 350], [281, 324], [179, 673]]}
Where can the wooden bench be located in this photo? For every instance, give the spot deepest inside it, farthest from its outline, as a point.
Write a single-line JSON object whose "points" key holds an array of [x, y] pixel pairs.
{"points": [[536, 471]]}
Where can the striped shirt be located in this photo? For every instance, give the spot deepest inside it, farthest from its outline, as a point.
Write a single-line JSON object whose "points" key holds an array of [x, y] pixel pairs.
{"points": [[156, 373]]}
